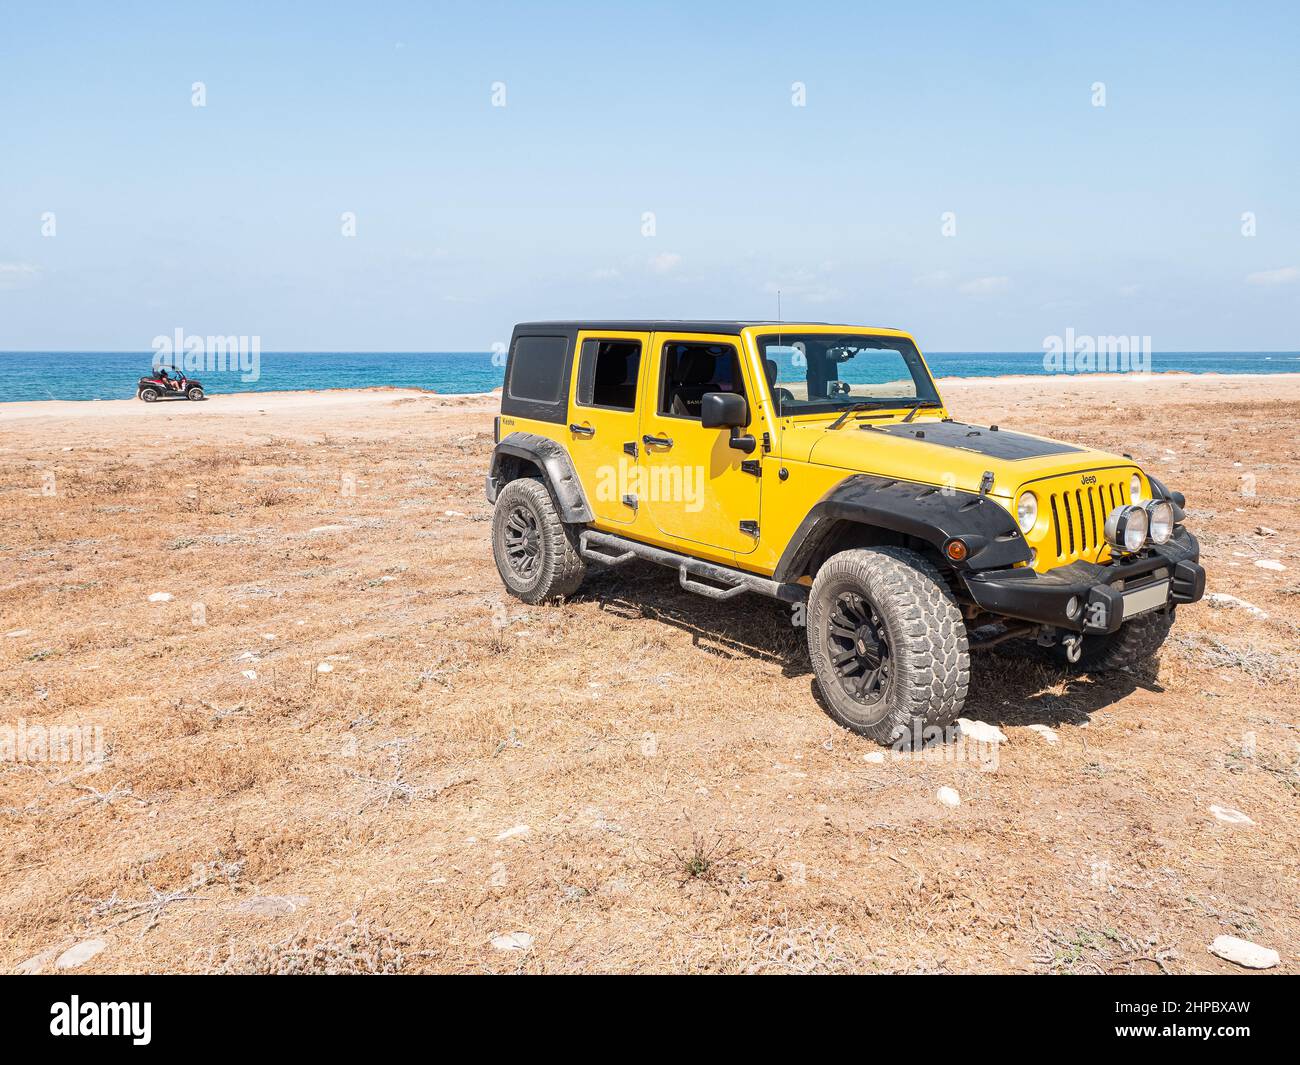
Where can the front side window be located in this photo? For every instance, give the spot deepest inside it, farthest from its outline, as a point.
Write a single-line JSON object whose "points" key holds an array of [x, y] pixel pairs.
{"points": [[607, 373], [692, 369], [812, 373]]}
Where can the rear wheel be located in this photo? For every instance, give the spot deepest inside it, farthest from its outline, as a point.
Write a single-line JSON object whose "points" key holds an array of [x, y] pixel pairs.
{"points": [[535, 552], [148, 394], [1137, 643], [888, 643]]}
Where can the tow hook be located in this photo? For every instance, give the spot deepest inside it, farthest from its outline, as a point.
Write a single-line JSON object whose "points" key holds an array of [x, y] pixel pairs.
{"points": [[1073, 647]]}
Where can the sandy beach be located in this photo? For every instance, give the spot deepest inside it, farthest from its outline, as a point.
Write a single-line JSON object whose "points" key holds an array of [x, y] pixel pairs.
{"points": [[331, 743]]}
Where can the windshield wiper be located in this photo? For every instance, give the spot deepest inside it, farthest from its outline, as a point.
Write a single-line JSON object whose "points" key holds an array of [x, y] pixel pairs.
{"points": [[858, 408], [853, 409]]}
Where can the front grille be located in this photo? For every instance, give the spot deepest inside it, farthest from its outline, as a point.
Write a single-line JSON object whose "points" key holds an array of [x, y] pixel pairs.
{"points": [[1078, 513]]}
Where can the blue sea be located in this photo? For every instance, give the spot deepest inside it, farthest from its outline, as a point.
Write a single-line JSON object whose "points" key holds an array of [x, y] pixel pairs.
{"points": [[28, 375]]}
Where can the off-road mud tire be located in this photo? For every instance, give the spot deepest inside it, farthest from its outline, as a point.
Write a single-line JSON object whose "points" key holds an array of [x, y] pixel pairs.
{"points": [[525, 513], [919, 630]]}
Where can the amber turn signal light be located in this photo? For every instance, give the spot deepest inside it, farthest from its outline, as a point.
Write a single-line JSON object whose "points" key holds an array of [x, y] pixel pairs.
{"points": [[956, 550]]}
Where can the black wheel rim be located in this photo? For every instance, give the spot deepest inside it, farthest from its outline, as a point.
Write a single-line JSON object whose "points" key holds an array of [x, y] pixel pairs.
{"points": [[859, 649], [523, 543]]}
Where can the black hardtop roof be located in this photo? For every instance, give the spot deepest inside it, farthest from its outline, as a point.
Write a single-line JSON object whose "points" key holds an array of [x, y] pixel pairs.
{"points": [[662, 325]]}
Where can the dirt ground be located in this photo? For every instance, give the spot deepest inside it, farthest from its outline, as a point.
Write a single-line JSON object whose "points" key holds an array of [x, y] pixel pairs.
{"points": [[338, 746]]}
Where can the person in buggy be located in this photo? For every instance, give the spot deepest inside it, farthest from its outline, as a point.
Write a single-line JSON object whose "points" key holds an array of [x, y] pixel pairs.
{"points": [[174, 383]]}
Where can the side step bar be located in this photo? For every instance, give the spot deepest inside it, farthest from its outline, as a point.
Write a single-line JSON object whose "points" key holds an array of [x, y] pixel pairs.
{"points": [[722, 581]]}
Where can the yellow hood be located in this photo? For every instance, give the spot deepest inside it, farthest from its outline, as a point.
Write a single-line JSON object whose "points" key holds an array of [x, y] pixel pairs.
{"points": [[945, 454]]}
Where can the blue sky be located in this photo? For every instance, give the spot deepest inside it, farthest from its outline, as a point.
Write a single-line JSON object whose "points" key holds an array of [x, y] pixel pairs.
{"points": [[226, 219]]}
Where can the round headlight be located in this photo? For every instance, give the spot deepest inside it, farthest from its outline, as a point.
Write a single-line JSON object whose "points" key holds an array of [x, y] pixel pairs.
{"points": [[1160, 518], [1135, 489], [1027, 511], [1135, 529]]}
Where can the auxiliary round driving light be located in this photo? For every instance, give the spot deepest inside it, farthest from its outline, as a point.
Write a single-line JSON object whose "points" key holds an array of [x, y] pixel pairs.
{"points": [[1126, 528], [1160, 518]]}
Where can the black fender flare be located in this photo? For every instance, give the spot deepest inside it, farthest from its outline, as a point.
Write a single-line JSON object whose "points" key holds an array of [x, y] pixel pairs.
{"points": [[557, 470], [926, 512]]}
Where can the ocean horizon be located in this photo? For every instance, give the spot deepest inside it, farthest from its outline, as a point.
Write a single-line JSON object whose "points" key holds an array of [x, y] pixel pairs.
{"points": [[100, 375]]}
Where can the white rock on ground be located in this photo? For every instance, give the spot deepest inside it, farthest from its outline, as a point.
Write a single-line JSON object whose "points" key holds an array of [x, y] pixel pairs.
{"points": [[329, 528], [18, 632], [251, 674], [1264, 530], [981, 731], [513, 941], [37, 964], [160, 597], [1244, 953], [874, 757], [80, 954], [1270, 564], [1223, 599], [514, 832], [272, 905], [1230, 816], [325, 667], [1050, 737], [949, 797]]}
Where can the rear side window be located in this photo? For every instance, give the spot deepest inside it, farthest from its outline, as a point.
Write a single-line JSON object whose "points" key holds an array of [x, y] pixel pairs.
{"points": [[690, 370], [607, 373], [537, 368]]}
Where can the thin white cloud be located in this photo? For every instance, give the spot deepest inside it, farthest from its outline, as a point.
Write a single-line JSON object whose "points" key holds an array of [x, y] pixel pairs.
{"points": [[1288, 275], [936, 279], [18, 275], [801, 285], [665, 262], [984, 286], [606, 273], [805, 292]]}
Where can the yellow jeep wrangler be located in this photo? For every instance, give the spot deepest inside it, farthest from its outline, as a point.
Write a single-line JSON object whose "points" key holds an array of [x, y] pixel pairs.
{"points": [[818, 464]]}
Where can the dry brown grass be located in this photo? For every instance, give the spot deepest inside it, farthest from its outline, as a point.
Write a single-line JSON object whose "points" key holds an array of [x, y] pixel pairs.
{"points": [[688, 806]]}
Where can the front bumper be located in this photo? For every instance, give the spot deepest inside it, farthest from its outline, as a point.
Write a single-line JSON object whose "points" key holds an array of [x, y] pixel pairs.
{"points": [[1098, 590]]}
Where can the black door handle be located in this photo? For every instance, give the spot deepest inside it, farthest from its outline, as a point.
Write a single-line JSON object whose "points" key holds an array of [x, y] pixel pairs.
{"points": [[657, 441], [582, 430]]}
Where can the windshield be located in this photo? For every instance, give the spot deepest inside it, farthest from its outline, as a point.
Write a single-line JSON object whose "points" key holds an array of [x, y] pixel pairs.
{"points": [[815, 373]]}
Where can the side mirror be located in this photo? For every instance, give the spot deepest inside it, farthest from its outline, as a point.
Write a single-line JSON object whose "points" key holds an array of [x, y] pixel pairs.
{"points": [[723, 410], [726, 410]]}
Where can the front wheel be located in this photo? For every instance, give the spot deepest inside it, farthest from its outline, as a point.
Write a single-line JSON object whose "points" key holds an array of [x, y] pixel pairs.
{"points": [[1137, 643], [535, 552], [888, 644], [195, 393]]}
